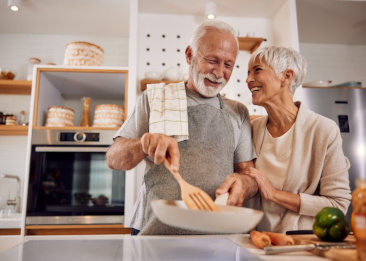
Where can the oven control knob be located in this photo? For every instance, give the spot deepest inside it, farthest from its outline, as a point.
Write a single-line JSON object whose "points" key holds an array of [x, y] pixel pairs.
{"points": [[79, 137]]}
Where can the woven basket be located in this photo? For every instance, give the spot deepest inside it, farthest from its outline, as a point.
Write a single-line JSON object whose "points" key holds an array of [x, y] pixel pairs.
{"points": [[59, 116], [108, 115], [83, 54]]}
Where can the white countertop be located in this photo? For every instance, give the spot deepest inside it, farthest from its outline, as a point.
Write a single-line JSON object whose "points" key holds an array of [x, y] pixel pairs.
{"points": [[126, 247], [12, 220]]}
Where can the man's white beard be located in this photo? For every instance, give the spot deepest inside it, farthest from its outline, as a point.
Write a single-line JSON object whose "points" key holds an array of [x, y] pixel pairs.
{"points": [[199, 82]]}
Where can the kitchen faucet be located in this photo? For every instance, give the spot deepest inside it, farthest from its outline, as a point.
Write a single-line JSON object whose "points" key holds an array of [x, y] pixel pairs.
{"points": [[15, 202]]}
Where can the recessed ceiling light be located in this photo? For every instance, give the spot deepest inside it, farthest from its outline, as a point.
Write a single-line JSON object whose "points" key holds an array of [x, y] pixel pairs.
{"points": [[14, 4], [210, 10]]}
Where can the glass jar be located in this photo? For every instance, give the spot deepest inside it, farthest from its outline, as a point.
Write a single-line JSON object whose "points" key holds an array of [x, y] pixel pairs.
{"points": [[358, 218], [32, 61]]}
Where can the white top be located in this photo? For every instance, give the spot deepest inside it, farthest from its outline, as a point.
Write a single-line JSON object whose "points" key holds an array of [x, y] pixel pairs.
{"points": [[274, 160]]}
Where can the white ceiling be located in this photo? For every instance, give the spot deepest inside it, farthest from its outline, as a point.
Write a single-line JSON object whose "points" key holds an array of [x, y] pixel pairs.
{"points": [[319, 21]]}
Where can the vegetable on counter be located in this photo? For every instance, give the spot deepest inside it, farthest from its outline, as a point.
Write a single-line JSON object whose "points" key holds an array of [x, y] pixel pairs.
{"points": [[263, 239], [259, 239], [331, 225], [280, 239]]}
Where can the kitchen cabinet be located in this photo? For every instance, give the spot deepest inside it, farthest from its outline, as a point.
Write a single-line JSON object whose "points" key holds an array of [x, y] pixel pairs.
{"points": [[82, 172], [10, 232], [100, 229], [66, 86], [14, 87]]}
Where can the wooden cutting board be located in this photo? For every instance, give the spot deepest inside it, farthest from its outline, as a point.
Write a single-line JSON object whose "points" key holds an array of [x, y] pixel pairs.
{"points": [[335, 254]]}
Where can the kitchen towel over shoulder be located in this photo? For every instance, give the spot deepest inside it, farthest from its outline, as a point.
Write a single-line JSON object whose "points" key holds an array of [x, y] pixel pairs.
{"points": [[168, 110]]}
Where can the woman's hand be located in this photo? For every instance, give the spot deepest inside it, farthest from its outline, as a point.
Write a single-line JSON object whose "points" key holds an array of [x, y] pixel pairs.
{"points": [[265, 187], [286, 199]]}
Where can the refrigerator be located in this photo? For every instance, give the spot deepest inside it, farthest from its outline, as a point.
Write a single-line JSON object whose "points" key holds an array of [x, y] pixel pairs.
{"points": [[347, 107]]}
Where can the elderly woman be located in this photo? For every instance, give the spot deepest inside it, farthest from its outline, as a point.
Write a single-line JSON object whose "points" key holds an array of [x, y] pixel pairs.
{"points": [[300, 166]]}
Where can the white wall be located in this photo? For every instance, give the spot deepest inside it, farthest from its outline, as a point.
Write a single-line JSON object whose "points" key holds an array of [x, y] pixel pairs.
{"points": [[15, 50], [338, 63]]}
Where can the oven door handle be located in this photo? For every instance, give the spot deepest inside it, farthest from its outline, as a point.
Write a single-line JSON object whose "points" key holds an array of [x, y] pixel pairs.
{"points": [[70, 149]]}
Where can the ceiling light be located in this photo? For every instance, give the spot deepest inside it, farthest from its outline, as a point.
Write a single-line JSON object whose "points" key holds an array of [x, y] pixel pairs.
{"points": [[14, 4], [211, 10]]}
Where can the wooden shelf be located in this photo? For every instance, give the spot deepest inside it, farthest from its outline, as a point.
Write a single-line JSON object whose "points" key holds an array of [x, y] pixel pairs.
{"points": [[18, 87], [13, 130], [249, 43], [143, 83], [333, 87]]}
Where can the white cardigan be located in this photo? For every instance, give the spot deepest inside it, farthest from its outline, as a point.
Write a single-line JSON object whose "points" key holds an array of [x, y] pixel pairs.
{"points": [[318, 169]]}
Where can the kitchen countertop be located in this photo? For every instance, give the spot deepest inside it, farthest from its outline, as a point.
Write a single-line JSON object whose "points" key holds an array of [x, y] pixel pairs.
{"points": [[126, 247], [14, 220]]}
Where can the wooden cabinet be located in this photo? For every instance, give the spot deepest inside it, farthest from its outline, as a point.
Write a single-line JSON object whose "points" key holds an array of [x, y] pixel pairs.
{"points": [[10, 231], [66, 86], [76, 230], [14, 87]]}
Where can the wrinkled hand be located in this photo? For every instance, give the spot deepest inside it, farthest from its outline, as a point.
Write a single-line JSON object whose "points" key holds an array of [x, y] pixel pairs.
{"points": [[159, 146], [237, 185], [266, 189]]}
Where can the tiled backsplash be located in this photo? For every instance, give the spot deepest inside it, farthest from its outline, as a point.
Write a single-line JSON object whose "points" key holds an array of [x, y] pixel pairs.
{"points": [[338, 63]]}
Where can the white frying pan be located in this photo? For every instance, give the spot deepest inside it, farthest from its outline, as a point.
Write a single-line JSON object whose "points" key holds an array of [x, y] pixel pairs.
{"points": [[229, 220]]}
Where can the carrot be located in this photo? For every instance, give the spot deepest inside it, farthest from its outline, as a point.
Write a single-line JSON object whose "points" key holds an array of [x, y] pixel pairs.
{"points": [[259, 239], [280, 239]]}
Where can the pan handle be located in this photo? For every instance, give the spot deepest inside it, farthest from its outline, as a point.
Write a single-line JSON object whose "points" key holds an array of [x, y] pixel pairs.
{"points": [[270, 250]]}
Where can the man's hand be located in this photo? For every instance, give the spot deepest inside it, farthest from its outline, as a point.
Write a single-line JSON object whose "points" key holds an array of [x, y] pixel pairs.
{"points": [[239, 186], [159, 146]]}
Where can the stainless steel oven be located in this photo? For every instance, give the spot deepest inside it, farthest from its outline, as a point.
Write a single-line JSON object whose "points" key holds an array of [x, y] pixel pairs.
{"points": [[69, 181]]}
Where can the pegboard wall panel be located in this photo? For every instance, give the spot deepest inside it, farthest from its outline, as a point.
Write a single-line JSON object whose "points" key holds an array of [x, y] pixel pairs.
{"points": [[162, 46]]}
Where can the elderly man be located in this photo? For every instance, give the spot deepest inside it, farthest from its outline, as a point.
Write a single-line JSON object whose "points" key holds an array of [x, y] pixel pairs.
{"points": [[208, 140]]}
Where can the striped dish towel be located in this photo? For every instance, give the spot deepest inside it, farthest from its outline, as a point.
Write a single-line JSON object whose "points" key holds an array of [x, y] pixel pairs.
{"points": [[168, 110]]}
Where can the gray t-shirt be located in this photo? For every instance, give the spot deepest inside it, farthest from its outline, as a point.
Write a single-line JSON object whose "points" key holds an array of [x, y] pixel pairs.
{"points": [[138, 123]]}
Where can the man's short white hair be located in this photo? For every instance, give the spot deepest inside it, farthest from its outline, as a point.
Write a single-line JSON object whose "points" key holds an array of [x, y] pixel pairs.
{"points": [[203, 28]]}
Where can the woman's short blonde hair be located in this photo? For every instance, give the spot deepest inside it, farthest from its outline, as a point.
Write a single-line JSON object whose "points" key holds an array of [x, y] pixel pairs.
{"points": [[281, 59]]}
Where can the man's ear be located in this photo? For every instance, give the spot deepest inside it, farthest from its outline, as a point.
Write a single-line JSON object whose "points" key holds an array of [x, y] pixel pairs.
{"points": [[189, 54], [287, 77]]}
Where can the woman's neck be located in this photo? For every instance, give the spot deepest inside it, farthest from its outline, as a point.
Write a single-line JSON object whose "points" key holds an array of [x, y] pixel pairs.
{"points": [[281, 117]]}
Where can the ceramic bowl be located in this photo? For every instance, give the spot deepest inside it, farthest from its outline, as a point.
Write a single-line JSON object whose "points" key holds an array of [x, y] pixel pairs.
{"points": [[172, 74], [153, 75], [229, 220], [320, 83]]}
